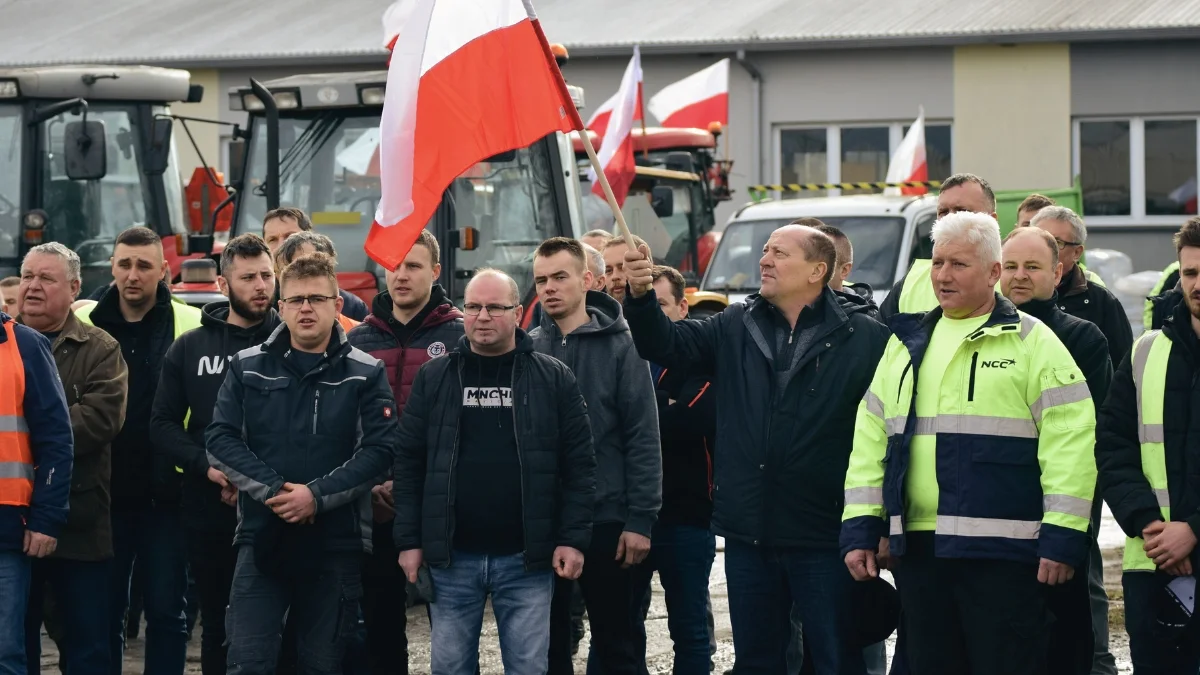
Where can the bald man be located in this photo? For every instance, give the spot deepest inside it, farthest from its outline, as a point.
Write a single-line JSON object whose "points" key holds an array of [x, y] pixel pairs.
{"points": [[792, 367]]}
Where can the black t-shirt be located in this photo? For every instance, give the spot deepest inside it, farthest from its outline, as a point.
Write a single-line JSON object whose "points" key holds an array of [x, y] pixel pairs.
{"points": [[487, 509], [302, 361]]}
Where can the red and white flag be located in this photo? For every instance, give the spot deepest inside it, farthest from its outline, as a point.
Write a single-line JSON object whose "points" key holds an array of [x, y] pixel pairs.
{"points": [[908, 164], [469, 80], [616, 150], [599, 120], [695, 101]]}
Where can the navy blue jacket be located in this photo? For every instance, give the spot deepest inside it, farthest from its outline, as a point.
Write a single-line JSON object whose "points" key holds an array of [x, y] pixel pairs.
{"points": [[50, 437]]}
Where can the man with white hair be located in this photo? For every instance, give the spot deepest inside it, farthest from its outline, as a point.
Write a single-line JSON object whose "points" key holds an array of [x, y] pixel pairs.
{"points": [[95, 379], [1078, 294], [973, 457]]}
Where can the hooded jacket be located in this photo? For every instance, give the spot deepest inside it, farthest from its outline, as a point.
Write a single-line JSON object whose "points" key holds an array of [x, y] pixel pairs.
{"points": [[332, 428], [1092, 302], [782, 451], [96, 381], [856, 298], [192, 374], [554, 444], [687, 418], [616, 384], [404, 348]]}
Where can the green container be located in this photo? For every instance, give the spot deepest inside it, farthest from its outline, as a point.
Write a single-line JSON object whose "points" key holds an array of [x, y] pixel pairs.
{"points": [[1007, 202]]}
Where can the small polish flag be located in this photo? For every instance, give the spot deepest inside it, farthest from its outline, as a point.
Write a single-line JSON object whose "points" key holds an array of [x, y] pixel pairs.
{"points": [[469, 80], [599, 120], [908, 164], [616, 150], [695, 101]]}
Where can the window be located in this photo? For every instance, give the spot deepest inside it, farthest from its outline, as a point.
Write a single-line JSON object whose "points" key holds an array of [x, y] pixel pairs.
{"points": [[1137, 170], [11, 126], [804, 157], [852, 154]]}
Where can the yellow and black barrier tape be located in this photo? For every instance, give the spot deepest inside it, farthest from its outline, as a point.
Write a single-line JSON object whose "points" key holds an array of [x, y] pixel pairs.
{"points": [[805, 187]]}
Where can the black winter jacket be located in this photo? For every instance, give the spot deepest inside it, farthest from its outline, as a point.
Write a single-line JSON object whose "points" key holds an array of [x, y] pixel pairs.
{"points": [[554, 442], [332, 429], [781, 466], [192, 374], [858, 298], [1092, 302], [140, 476], [687, 421], [1118, 453], [1083, 339]]}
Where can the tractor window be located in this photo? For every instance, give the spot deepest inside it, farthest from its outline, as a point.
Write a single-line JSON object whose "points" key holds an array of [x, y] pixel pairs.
{"points": [[10, 179], [87, 215]]}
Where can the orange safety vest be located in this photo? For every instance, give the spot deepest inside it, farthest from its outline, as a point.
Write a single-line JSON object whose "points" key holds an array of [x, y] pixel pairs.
{"points": [[16, 455]]}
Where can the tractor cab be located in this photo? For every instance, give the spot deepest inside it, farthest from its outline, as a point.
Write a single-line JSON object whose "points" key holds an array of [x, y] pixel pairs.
{"points": [[85, 152], [313, 143], [677, 185]]}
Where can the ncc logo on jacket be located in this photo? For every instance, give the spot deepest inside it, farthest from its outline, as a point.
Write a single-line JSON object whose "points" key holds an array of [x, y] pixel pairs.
{"points": [[212, 365], [999, 363]]}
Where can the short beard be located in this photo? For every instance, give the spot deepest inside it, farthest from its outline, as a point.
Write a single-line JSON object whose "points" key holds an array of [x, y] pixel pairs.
{"points": [[246, 310]]}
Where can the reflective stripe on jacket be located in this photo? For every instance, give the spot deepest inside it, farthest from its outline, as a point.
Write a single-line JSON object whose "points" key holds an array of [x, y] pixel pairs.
{"points": [[1015, 432], [1150, 355], [16, 454]]}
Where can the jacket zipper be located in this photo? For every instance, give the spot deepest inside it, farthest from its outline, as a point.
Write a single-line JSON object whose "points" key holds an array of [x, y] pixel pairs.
{"points": [[520, 464], [971, 385], [316, 407], [450, 474]]}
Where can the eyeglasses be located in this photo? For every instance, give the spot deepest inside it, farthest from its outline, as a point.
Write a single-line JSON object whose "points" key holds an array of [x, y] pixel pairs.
{"points": [[1063, 244], [473, 309], [314, 301]]}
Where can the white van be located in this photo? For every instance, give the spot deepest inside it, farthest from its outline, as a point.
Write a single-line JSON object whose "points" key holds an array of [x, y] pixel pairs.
{"points": [[887, 233]]}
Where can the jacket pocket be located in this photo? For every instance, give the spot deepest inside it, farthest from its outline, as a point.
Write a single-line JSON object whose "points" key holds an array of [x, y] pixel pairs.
{"points": [[1054, 394], [87, 507], [1003, 480]]}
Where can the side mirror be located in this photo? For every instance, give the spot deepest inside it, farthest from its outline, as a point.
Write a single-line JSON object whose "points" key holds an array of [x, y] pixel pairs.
{"points": [[237, 161], [159, 152], [679, 161], [85, 150], [662, 198]]}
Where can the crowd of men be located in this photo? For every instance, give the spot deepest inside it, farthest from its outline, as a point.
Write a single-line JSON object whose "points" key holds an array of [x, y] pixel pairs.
{"points": [[308, 463]]}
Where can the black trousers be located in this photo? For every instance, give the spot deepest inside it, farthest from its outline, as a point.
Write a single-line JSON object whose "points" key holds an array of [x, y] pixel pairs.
{"points": [[607, 591], [1072, 642], [211, 560], [984, 617], [383, 606]]}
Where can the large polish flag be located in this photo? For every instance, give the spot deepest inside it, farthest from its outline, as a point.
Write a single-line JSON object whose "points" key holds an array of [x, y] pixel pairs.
{"points": [[908, 164], [616, 150], [695, 101], [466, 80], [599, 120]]}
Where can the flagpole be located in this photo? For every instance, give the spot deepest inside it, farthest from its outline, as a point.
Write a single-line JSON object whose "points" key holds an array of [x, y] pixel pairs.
{"points": [[608, 193]]}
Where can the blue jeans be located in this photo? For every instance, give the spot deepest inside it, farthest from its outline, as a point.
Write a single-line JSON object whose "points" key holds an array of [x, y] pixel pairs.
{"points": [[520, 601], [764, 583], [80, 592], [683, 558], [153, 539], [14, 589]]}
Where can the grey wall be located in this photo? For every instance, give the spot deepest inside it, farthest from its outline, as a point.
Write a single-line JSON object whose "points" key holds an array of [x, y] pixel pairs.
{"points": [[1135, 78], [798, 88]]}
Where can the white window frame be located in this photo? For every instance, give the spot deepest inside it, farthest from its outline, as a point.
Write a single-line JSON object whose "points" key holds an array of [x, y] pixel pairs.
{"points": [[833, 145], [1137, 168]]}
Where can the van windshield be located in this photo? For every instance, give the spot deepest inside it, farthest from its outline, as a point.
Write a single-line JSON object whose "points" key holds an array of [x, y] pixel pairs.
{"points": [[876, 242]]}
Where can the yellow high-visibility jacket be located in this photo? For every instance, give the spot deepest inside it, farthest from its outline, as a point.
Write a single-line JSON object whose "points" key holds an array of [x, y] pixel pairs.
{"points": [[1015, 432]]}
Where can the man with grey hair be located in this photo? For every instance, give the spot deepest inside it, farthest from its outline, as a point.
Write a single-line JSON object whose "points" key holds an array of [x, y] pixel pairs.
{"points": [[595, 263], [488, 513], [988, 430], [1079, 294], [95, 379]]}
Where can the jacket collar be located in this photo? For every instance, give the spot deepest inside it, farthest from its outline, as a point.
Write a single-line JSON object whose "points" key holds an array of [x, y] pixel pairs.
{"points": [[759, 307], [280, 342], [1044, 310], [1073, 283], [915, 330]]}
